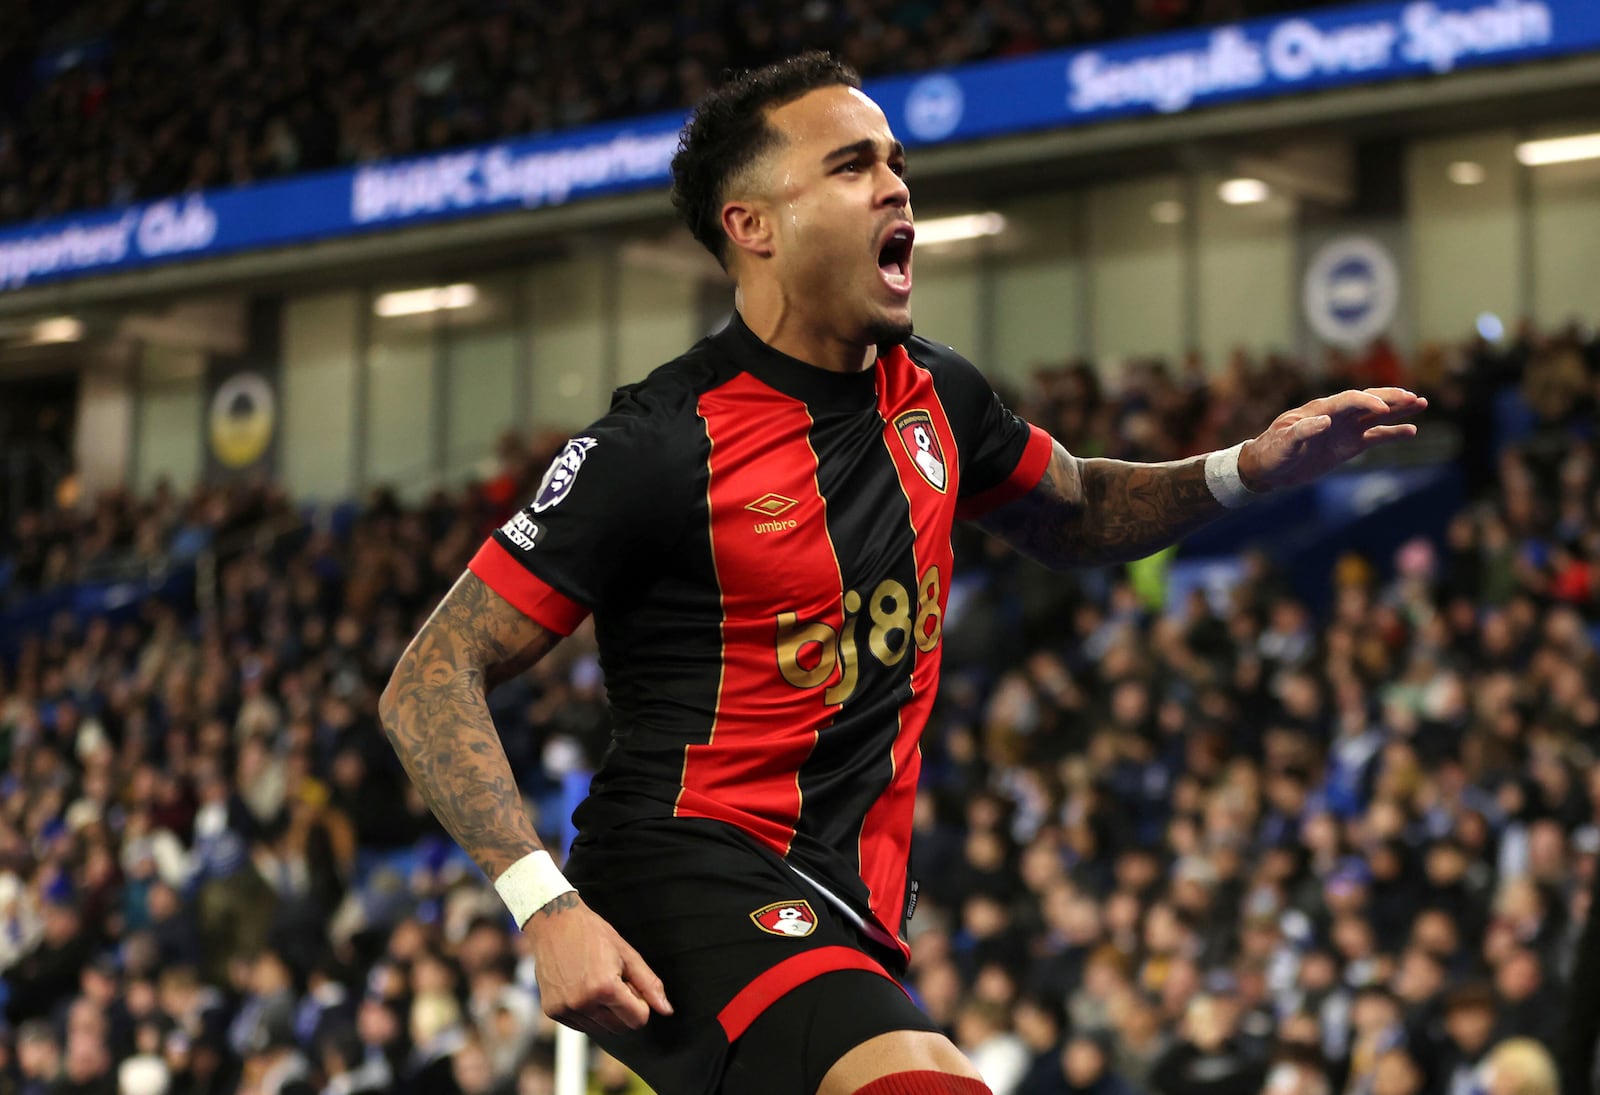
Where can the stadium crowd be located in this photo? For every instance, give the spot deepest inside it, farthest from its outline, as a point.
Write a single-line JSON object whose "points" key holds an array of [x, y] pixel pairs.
{"points": [[105, 102], [1208, 848]]}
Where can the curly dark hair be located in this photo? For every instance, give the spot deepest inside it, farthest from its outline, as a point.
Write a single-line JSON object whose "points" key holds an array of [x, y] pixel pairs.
{"points": [[729, 132]]}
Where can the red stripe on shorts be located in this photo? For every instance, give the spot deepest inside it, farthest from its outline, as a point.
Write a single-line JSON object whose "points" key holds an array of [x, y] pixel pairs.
{"points": [[786, 976]]}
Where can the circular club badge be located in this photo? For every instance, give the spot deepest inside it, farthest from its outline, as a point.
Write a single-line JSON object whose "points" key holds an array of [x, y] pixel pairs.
{"points": [[934, 107], [1351, 291], [243, 413]]}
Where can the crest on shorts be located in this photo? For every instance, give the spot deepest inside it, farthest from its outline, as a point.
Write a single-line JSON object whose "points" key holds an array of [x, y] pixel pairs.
{"points": [[563, 470], [922, 445], [789, 918]]}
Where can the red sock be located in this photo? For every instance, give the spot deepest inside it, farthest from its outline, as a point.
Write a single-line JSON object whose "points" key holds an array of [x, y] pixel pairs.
{"points": [[924, 1083]]}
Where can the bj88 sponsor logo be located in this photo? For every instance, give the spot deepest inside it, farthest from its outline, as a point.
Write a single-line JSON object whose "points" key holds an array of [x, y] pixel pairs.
{"points": [[890, 619]]}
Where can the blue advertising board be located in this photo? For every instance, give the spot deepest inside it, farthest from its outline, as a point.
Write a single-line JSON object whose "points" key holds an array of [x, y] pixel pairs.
{"points": [[1161, 74]]}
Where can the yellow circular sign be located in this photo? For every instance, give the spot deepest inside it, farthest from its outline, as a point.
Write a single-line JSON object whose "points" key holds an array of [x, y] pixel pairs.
{"points": [[243, 413]]}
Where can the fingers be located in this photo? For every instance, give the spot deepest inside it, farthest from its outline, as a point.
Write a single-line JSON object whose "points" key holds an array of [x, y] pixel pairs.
{"points": [[642, 979], [1398, 409], [614, 1009], [1372, 407], [627, 1007], [1317, 436], [620, 1005], [1377, 405], [1347, 403], [1378, 435], [590, 979], [1398, 397], [1398, 405], [1307, 428]]}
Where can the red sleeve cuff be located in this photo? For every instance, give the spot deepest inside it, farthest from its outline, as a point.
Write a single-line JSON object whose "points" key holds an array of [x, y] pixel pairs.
{"points": [[543, 605], [1023, 478]]}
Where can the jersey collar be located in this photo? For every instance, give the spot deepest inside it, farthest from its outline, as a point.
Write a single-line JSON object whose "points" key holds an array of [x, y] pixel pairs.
{"points": [[820, 389]]}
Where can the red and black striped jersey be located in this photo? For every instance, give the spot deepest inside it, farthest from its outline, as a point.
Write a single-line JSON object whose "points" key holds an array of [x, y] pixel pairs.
{"points": [[765, 547]]}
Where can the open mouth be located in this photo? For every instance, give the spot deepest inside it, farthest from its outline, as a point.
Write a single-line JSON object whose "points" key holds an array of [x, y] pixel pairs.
{"points": [[894, 258]]}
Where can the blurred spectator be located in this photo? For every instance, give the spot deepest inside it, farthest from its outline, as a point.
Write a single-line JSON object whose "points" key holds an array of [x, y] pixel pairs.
{"points": [[268, 1002], [273, 1063], [1520, 1066], [1141, 1042], [46, 977], [1396, 1072], [1297, 1072], [38, 1058], [983, 1033], [1529, 1006], [347, 1068], [1040, 1024], [143, 1075], [1083, 1067], [437, 1034], [1377, 1048], [1470, 1019], [1208, 1059]]}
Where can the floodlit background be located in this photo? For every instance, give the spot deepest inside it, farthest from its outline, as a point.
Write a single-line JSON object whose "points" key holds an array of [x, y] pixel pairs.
{"points": [[297, 300]]}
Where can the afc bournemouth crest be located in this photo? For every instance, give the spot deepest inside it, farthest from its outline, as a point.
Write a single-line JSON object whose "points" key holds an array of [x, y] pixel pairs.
{"points": [[922, 445], [791, 918]]}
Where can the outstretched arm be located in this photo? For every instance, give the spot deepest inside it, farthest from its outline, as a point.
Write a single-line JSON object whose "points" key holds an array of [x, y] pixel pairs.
{"points": [[1090, 512], [435, 713]]}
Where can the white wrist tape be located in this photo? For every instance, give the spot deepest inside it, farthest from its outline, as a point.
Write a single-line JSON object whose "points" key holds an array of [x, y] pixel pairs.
{"points": [[1222, 476], [530, 884]]}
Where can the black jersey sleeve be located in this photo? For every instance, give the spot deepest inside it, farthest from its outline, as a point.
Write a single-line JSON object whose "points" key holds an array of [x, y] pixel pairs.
{"points": [[1002, 456], [607, 502]]}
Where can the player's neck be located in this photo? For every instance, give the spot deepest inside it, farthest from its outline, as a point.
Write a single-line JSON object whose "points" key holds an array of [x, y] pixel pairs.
{"points": [[775, 322]]}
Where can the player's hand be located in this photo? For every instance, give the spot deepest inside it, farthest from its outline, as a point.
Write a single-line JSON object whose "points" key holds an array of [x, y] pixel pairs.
{"points": [[589, 977], [1317, 437]]}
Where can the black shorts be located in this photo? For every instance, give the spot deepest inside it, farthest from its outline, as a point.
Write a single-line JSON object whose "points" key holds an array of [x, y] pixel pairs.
{"points": [[769, 984]]}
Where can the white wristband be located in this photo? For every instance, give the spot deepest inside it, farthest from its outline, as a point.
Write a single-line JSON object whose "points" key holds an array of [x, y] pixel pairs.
{"points": [[1222, 476], [530, 884]]}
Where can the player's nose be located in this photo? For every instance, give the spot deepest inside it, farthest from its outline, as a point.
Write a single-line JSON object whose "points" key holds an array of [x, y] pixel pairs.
{"points": [[893, 191]]}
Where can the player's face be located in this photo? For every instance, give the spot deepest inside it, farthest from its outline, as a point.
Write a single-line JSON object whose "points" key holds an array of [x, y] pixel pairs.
{"points": [[842, 238]]}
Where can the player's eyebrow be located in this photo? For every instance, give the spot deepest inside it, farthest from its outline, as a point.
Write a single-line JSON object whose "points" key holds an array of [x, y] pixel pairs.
{"points": [[865, 145]]}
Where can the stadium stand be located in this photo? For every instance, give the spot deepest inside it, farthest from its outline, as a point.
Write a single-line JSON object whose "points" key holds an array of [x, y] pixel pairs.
{"points": [[106, 102], [1216, 846]]}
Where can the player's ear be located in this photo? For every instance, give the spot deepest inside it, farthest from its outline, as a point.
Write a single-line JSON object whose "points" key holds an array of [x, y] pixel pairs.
{"points": [[748, 227]]}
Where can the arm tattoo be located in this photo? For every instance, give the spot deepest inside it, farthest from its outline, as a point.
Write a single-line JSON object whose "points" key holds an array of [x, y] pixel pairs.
{"points": [[1090, 512], [436, 716], [568, 900]]}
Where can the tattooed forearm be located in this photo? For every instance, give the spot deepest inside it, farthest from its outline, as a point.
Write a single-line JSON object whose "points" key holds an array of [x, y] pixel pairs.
{"points": [[436, 717], [1090, 512], [496, 675], [1135, 509]]}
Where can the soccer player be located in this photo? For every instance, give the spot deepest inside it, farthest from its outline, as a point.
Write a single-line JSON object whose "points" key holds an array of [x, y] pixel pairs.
{"points": [[761, 530]]}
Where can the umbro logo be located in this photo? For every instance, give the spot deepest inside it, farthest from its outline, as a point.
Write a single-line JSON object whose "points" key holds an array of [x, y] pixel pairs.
{"points": [[772, 506]]}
